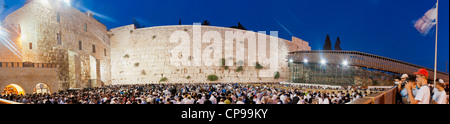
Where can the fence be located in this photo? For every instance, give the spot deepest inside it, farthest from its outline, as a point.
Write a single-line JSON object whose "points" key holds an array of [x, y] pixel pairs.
{"points": [[388, 97]]}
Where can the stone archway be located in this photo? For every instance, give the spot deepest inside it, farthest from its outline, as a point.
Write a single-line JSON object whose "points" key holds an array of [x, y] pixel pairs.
{"points": [[42, 88], [13, 89]]}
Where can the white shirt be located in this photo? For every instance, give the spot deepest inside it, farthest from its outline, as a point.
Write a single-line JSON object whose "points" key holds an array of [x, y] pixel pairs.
{"points": [[441, 97], [326, 101], [423, 95], [240, 102]]}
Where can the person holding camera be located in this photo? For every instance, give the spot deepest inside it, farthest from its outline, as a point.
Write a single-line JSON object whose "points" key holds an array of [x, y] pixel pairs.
{"points": [[401, 88], [423, 95]]}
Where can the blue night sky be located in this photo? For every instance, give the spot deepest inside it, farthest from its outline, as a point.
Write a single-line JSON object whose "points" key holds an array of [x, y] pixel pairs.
{"points": [[380, 27]]}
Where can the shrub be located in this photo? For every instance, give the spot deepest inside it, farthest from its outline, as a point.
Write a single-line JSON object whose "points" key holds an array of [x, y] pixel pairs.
{"points": [[258, 66], [277, 75], [163, 79], [188, 77], [239, 69], [126, 56], [213, 78], [136, 64]]}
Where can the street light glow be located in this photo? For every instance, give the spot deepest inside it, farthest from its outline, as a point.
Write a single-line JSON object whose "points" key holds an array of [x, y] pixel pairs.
{"points": [[305, 60], [291, 60], [345, 63], [323, 62]]}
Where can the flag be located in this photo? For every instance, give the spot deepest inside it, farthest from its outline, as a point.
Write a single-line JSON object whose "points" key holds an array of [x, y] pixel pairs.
{"points": [[427, 22]]}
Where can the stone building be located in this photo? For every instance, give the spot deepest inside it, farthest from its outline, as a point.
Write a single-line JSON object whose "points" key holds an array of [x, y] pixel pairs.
{"points": [[83, 53], [52, 32]]}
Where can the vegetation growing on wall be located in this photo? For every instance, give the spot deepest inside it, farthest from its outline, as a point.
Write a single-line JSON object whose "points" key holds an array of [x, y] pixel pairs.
{"points": [[213, 78], [163, 79]]}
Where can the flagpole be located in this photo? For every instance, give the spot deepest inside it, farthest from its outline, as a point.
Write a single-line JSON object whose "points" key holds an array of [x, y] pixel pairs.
{"points": [[435, 55]]}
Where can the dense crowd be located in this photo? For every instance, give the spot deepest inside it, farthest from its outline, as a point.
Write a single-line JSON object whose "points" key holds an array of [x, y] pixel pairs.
{"points": [[268, 93]]}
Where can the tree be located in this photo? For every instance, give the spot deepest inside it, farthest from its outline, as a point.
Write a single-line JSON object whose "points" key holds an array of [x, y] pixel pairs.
{"points": [[179, 23], [327, 45], [239, 26], [337, 46], [206, 23]]}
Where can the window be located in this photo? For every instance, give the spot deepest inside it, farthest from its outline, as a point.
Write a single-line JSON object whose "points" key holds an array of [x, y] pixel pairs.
{"points": [[105, 52], [93, 48], [80, 45], [58, 17], [31, 46], [85, 27], [58, 38], [19, 29]]}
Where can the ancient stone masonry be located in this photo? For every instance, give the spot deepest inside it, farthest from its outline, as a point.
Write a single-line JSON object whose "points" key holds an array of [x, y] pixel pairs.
{"points": [[143, 56], [86, 54], [50, 33]]}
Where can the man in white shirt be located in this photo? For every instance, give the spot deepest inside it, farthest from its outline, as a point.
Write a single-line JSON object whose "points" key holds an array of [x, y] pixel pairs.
{"points": [[326, 101], [440, 96], [240, 101], [423, 95]]}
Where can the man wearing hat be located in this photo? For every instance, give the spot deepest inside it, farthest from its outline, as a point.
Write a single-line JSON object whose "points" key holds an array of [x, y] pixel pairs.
{"points": [[402, 90], [440, 96], [423, 95]]}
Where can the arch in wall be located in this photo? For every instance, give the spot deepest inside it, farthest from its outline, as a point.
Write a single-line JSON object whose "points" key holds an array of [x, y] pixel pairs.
{"points": [[42, 88], [13, 89]]}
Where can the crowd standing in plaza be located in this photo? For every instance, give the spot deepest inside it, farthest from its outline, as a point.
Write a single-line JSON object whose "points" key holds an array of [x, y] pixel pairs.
{"points": [[416, 91], [221, 93]]}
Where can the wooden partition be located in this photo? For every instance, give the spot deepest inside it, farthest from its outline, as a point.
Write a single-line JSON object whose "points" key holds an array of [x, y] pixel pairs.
{"points": [[387, 97]]}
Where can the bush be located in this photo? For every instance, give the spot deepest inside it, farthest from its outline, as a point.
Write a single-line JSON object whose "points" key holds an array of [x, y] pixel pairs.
{"points": [[163, 79], [126, 56], [213, 78], [240, 69], [136, 64], [258, 66], [188, 77], [277, 75]]}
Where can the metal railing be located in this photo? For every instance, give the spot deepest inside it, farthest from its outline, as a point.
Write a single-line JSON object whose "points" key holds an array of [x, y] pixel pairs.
{"points": [[361, 59]]}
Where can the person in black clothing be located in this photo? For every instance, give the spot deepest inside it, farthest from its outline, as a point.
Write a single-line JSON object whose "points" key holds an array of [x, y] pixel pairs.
{"points": [[296, 99], [207, 102]]}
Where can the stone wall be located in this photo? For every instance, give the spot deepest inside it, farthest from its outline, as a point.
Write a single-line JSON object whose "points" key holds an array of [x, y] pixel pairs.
{"points": [[54, 32], [29, 77], [143, 56]]}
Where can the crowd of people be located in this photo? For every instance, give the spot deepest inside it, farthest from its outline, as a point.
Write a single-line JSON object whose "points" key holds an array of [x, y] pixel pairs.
{"points": [[420, 91], [410, 91], [221, 93]]}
